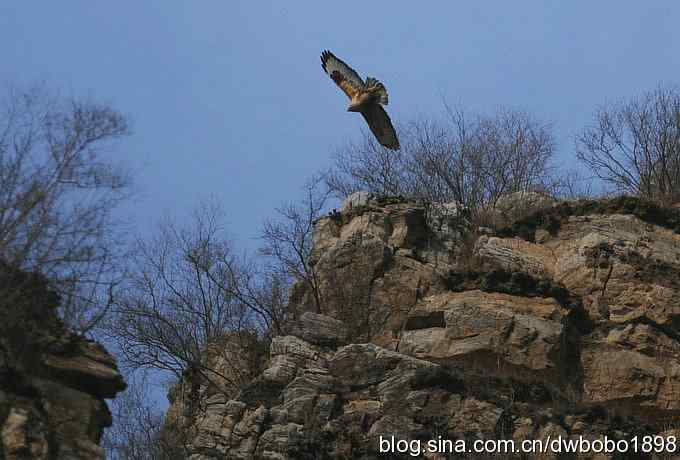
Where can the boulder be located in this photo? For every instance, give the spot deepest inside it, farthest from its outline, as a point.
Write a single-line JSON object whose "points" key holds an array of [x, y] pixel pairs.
{"points": [[319, 329]]}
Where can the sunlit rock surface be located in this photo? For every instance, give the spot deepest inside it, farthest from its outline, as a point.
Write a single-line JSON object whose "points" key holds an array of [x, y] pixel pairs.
{"points": [[566, 322]]}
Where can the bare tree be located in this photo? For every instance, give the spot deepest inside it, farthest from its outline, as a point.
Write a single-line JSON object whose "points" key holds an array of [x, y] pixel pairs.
{"points": [[192, 308], [515, 151], [57, 193], [571, 184], [288, 239], [366, 165], [635, 146], [138, 431], [472, 162]]}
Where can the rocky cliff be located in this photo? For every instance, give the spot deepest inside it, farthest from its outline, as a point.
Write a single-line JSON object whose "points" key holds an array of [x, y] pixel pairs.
{"points": [[565, 322], [52, 382]]}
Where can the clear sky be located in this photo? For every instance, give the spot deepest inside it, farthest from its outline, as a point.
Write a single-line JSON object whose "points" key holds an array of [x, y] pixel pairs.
{"points": [[228, 99]]}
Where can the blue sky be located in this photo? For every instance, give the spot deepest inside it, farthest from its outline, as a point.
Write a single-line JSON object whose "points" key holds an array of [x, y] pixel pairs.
{"points": [[228, 99]]}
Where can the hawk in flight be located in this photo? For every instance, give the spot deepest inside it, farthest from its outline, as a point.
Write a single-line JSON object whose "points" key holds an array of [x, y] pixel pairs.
{"points": [[366, 98]]}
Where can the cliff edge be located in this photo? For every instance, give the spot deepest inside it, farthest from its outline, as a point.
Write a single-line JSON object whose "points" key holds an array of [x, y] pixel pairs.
{"points": [[565, 322]]}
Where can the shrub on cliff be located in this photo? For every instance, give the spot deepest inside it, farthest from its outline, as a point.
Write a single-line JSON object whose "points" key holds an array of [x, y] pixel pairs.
{"points": [[634, 146], [469, 160]]}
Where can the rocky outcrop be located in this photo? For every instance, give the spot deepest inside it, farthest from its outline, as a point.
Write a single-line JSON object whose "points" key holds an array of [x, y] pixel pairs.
{"points": [[565, 323], [52, 382]]}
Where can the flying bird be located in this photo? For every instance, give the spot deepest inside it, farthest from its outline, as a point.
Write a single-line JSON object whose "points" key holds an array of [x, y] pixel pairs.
{"points": [[366, 98]]}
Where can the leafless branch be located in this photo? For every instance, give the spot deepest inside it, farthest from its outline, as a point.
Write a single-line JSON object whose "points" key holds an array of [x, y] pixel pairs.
{"points": [[57, 193], [469, 161], [635, 146]]}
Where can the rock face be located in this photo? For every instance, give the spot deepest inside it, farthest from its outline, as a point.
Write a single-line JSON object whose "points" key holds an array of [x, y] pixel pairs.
{"points": [[565, 323], [52, 382]]}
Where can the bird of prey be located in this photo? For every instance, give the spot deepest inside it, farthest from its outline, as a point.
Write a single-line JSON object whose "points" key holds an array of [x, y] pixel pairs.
{"points": [[366, 98]]}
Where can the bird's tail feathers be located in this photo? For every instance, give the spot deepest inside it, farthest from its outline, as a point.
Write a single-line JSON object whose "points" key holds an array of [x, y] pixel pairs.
{"points": [[377, 86]]}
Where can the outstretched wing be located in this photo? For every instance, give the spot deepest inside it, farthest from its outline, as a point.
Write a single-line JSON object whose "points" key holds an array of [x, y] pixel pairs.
{"points": [[343, 75], [381, 126]]}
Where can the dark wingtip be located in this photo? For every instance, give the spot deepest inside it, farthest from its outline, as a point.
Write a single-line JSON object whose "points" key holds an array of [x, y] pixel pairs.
{"points": [[325, 54], [393, 145], [390, 146]]}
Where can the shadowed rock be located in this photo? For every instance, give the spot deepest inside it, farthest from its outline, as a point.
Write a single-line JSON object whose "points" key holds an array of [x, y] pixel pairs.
{"points": [[52, 382]]}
